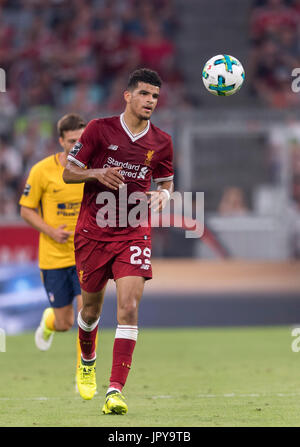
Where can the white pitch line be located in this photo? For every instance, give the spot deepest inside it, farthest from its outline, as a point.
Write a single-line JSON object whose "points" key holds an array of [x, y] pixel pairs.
{"points": [[41, 398], [228, 395]]}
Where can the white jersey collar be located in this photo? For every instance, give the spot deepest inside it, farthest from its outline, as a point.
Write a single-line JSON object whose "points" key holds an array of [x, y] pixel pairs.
{"points": [[132, 136]]}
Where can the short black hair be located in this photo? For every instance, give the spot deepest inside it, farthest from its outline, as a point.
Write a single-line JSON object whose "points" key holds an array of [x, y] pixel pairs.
{"points": [[71, 121], [144, 75]]}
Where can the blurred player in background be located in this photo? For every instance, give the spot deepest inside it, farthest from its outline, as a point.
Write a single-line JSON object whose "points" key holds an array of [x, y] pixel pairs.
{"points": [[112, 152], [52, 207]]}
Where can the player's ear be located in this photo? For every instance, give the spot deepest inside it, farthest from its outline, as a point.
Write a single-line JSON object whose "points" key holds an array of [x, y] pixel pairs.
{"points": [[61, 141], [127, 96]]}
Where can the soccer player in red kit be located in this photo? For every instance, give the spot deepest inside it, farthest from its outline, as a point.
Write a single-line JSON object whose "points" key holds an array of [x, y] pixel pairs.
{"points": [[111, 153]]}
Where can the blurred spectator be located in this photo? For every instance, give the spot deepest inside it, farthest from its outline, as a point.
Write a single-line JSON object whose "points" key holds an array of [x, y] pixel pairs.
{"points": [[233, 202], [296, 191], [83, 96], [8, 108], [270, 74], [295, 158], [293, 217], [115, 54], [295, 5], [115, 100], [288, 45], [274, 31], [10, 164], [7, 34], [269, 18], [155, 50], [10, 170], [32, 145], [132, 24]]}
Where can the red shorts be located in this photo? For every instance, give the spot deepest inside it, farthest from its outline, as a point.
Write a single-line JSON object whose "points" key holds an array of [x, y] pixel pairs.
{"points": [[99, 261]]}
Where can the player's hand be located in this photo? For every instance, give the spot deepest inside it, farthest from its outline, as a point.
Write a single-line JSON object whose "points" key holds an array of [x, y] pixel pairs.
{"points": [[60, 234], [110, 177], [157, 200]]}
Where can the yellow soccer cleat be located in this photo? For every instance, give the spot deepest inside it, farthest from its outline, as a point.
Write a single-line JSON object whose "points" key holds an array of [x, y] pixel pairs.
{"points": [[76, 386], [86, 380], [115, 403], [43, 336]]}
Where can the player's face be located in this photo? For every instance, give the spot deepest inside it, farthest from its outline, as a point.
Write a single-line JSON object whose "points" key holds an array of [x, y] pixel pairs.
{"points": [[142, 100], [69, 138]]}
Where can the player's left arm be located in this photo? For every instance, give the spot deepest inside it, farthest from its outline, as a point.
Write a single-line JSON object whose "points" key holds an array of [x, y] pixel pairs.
{"points": [[163, 176], [159, 198]]}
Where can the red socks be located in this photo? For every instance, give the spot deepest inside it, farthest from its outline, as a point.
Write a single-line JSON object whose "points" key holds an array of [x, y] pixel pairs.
{"points": [[87, 338], [125, 341]]}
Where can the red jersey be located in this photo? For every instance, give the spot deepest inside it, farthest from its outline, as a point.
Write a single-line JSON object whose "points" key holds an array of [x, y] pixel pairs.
{"points": [[108, 142]]}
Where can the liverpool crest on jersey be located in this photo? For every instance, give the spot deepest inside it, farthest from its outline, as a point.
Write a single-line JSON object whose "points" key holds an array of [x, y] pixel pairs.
{"points": [[149, 156]]}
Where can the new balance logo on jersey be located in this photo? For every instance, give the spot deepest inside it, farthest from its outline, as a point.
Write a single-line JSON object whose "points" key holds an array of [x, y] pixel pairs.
{"points": [[143, 173], [113, 147]]}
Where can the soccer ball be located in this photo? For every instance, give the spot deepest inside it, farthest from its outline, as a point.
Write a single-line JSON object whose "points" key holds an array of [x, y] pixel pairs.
{"points": [[223, 75]]}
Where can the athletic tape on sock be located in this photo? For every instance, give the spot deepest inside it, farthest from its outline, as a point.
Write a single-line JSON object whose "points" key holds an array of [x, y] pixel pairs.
{"points": [[126, 331], [84, 326]]}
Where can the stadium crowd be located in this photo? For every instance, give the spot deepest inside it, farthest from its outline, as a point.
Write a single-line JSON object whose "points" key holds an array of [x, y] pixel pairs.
{"points": [[61, 57], [275, 51]]}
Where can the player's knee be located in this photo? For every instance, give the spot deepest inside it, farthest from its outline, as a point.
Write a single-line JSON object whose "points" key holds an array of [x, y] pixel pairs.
{"points": [[90, 314], [127, 312], [64, 325]]}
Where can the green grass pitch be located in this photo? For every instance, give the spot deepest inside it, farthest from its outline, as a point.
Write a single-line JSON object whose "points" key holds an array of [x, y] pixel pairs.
{"points": [[212, 377]]}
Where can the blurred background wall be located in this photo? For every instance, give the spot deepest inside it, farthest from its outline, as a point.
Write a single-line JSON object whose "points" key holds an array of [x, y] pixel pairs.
{"points": [[243, 151]]}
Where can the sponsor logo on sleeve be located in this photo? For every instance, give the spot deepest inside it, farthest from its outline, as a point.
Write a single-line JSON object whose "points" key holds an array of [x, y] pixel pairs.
{"points": [[26, 189], [76, 148]]}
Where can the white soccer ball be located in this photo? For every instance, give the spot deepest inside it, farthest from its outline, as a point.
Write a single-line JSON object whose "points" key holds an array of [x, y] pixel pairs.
{"points": [[223, 75]]}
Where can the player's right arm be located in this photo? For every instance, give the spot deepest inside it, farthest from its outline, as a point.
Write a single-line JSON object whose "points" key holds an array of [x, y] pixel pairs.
{"points": [[81, 156], [109, 177], [32, 217]]}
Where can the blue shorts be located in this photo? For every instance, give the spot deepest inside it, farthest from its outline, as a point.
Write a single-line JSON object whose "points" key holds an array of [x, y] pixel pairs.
{"points": [[61, 285]]}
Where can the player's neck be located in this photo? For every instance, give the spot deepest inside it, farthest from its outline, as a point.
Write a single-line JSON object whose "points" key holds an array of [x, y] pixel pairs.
{"points": [[134, 124], [62, 157]]}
